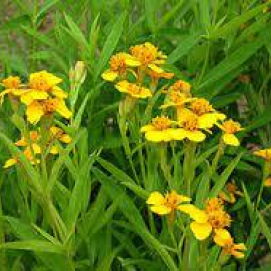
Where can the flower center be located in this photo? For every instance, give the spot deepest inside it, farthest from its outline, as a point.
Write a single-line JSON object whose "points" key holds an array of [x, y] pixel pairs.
{"points": [[146, 53], [40, 82], [231, 126], [181, 86], [201, 107], [117, 63], [190, 123], [217, 217], [12, 82], [134, 89], [177, 97], [161, 123], [50, 105], [171, 201]]}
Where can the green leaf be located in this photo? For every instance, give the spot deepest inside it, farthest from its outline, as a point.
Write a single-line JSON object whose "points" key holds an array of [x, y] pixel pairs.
{"points": [[34, 245], [223, 178], [230, 63], [184, 47], [110, 44], [265, 229], [237, 22]]}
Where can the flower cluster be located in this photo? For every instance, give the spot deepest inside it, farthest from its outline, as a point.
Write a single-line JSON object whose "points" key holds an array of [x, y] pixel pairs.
{"points": [[40, 98], [213, 220], [41, 95], [194, 117]]}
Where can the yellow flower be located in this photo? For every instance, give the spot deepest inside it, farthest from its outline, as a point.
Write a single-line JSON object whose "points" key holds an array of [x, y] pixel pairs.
{"points": [[231, 191], [41, 86], [177, 99], [181, 86], [118, 66], [224, 240], [11, 84], [267, 182], [148, 56], [166, 205], [209, 220], [133, 90], [206, 113], [191, 127], [40, 108], [28, 154], [160, 130], [229, 128], [266, 154]]}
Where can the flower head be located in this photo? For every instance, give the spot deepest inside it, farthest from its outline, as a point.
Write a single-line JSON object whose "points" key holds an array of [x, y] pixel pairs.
{"points": [[160, 130], [224, 240], [133, 90], [149, 56], [163, 205], [40, 108], [230, 194], [190, 127], [266, 154], [209, 220], [119, 64], [11, 84], [181, 86], [229, 128]]}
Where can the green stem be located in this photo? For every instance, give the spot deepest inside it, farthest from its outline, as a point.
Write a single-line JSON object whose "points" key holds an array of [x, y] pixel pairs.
{"points": [[164, 164], [219, 153], [188, 166]]}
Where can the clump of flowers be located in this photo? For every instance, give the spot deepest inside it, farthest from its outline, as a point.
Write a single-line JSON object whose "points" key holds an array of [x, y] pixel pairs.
{"points": [[185, 118], [40, 98]]}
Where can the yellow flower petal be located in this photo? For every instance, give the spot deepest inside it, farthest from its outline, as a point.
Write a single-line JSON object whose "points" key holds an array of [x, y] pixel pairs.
{"points": [[122, 86], [109, 75], [231, 139], [63, 110], [34, 112], [156, 198], [158, 136], [33, 95], [160, 209], [147, 128], [222, 237], [201, 230], [196, 136], [10, 162], [155, 68], [58, 92], [178, 134], [65, 138], [195, 213], [54, 150]]}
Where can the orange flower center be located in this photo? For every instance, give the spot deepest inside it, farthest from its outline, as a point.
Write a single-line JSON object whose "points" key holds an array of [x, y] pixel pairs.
{"points": [[231, 126], [134, 89], [146, 54], [181, 86], [12, 82], [217, 217], [177, 97], [161, 123], [117, 63], [50, 105], [40, 82], [201, 107], [171, 201], [190, 123]]}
